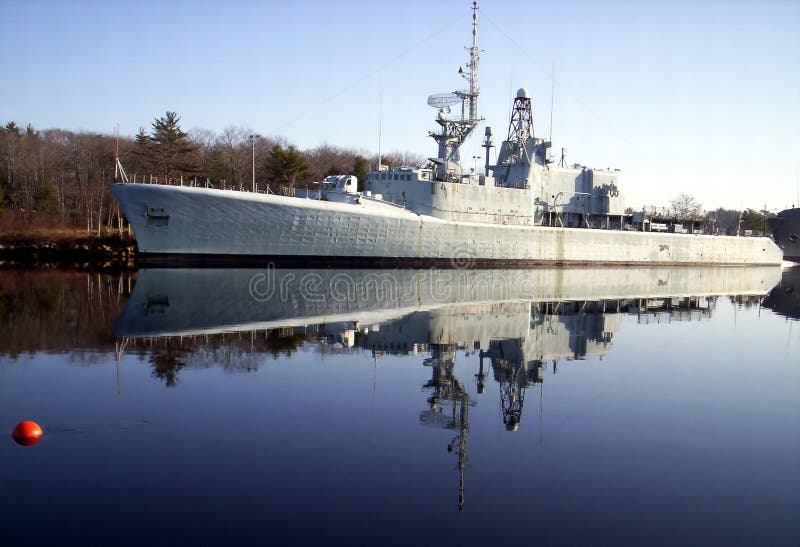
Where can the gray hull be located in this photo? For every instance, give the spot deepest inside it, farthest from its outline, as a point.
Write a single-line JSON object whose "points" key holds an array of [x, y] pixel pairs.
{"points": [[785, 228], [192, 301], [175, 223]]}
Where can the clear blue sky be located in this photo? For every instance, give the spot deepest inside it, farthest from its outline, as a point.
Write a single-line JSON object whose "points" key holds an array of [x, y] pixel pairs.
{"points": [[682, 97]]}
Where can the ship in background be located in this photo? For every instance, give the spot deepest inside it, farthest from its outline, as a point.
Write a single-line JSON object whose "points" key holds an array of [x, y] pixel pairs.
{"points": [[524, 209], [785, 229]]}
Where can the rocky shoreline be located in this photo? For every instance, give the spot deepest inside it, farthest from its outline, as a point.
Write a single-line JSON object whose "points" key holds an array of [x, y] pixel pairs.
{"points": [[95, 253]]}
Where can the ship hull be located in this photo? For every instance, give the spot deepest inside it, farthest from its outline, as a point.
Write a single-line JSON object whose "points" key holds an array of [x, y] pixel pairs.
{"points": [[193, 301], [175, 225], [785, 228]]}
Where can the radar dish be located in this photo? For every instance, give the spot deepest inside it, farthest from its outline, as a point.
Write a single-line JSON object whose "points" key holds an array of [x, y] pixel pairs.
{"points": [[442, 100]]}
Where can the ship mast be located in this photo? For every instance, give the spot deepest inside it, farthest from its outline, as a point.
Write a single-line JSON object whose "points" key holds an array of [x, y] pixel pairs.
{"points": [[473, 68], [456, 130], [520, 128]]}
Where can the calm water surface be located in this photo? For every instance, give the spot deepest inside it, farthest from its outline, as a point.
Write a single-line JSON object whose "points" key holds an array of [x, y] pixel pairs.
{"points": [[417, 407]]}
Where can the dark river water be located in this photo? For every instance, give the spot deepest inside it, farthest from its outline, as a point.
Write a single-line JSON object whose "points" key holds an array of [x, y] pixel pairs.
{"points": [[579, 406]]}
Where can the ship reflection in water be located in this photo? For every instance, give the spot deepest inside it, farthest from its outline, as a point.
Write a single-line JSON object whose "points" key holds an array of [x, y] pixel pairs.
{"points": [[784, 298], [519, 322], [402, 407]]}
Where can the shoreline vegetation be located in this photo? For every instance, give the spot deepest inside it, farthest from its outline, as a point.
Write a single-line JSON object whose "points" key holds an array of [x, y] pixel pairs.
{"points": [[56, 246], [77, 311], [56, 206]]}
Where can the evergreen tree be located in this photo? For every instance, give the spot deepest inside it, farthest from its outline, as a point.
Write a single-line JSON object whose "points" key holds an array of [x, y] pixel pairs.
{"points": [[286, 166], [360, 168], [46, 199], [726, 220], [216, 166], [13, 128], [753, 220], [10, 162], [170, 146], [143, 150], [142, 140]]}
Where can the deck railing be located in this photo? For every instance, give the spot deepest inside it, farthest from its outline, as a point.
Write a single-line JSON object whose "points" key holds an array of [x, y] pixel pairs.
{"points": [[195, 182]]}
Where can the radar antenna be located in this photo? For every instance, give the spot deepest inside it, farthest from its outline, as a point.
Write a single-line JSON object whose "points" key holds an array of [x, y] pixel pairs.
{"points": [[456, 130], [443, 100]]}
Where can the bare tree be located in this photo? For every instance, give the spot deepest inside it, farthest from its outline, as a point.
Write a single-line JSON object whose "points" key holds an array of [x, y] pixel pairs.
{"points": [[234, 147], [686, 206], [398, 159], [331, 160]]}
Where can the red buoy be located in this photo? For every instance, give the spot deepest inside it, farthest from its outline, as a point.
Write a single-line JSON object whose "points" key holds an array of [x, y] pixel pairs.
{"points": [[27, 433]]}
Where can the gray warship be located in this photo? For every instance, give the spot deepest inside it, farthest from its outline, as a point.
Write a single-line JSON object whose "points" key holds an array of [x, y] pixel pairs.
{"points": [[524, 209], [785, 229]]}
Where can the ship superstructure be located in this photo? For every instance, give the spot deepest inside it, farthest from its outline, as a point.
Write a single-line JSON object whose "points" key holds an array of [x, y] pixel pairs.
{"points": [[524, 174], [522, 187], [523, 209]]}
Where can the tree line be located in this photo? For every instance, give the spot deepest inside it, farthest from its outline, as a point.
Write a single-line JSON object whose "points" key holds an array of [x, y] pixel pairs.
{"points": [[721, 221], [63, 177]]}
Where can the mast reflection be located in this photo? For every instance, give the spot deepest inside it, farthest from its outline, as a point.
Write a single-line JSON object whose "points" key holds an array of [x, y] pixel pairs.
{"points": [[449, 405], [518, 322]]}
